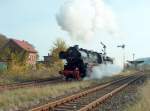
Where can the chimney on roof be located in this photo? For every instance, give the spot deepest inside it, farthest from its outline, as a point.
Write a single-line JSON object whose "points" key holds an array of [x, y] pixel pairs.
{"points": [[24, 41]]}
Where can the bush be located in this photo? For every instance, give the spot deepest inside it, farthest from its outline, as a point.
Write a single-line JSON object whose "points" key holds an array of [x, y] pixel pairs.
{"points": [[23, 73]]}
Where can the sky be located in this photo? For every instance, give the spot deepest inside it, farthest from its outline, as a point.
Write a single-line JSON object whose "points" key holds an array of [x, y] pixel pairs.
{"points": [[35, 22]]}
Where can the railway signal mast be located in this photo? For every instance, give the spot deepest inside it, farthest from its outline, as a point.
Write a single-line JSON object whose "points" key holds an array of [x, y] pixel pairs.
{"points": [[104, 51], [104, 48], [133, 56], [123, 48]]}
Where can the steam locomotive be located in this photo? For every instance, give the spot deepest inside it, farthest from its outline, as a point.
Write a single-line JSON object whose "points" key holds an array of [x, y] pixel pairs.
{"points": [[79, 61]]}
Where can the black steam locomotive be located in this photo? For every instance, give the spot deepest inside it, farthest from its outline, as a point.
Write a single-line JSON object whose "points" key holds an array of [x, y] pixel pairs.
{"points": [[79, 61]]}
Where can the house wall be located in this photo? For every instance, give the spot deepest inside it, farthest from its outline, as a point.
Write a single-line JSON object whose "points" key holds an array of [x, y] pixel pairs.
{"points": [[32, 58]]}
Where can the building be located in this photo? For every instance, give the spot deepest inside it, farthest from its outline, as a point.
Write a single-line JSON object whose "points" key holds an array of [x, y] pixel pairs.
{"points": [[22, 46], [47, 59]]}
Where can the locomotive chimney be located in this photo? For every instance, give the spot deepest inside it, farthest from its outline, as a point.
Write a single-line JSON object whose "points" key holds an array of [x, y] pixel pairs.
{"points": [[76, 46]]}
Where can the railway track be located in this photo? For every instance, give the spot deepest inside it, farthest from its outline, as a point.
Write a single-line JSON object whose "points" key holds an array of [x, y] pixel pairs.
{"points": [[39, 82], [89, 99]]}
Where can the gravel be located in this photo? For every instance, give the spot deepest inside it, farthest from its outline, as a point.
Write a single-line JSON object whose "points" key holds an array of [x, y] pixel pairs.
{"points": [[127, 97]]}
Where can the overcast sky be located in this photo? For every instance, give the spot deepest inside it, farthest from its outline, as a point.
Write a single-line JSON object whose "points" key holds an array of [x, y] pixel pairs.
{"points": [[35, 21]]}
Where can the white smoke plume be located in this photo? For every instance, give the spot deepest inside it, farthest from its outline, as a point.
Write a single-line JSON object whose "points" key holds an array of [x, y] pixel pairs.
{"points": [[103, 70], [82, 18]]}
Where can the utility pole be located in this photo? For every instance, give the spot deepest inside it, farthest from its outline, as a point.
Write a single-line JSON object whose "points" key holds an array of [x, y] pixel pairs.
{"points": [[124, 59]]}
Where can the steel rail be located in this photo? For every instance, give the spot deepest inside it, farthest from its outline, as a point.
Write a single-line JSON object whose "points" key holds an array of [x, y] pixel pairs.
{"points": [[51, 105], [99, 101], [28, 84]]}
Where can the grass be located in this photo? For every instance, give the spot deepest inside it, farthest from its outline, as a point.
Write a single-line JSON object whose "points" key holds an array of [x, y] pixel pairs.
{"points": [[27, 96], [9, 78], [17, 75], [144, 103], [24, 97], [128, 72]]}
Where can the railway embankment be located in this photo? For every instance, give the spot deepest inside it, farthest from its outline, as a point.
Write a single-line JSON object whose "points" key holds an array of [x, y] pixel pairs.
{"points": [[93, 97], [143, 101], [133, 98], [28, 97], [23, 98]]}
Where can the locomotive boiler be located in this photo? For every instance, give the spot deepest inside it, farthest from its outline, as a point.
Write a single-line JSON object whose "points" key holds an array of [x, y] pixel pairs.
{"points": [[79, 61]]}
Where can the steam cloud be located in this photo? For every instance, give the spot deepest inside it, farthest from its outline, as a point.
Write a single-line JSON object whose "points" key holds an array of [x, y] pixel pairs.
{"points": [[82, 18], [103, 70]]}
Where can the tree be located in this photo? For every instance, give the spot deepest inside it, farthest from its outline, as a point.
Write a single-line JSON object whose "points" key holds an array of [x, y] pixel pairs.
{"points": [[14, 58], [59, 45], [3, 40]]}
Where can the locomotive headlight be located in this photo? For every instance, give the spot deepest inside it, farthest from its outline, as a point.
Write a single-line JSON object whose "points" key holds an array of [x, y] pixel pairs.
{"points": [[64, 61]]}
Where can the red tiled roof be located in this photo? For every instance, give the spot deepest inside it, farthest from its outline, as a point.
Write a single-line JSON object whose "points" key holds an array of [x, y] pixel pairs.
{"points": [[24, 45]]}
